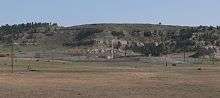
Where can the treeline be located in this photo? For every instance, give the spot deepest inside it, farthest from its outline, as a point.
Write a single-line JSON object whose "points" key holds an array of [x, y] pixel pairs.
{"points": [[23, 26], [8, 31]]}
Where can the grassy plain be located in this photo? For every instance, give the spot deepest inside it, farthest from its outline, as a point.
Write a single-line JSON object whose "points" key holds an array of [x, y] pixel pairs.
{"points": [[61, 79]]}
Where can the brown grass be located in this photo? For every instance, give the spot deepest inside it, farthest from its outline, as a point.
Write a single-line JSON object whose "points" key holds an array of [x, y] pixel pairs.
{"points": [[107, 80]]}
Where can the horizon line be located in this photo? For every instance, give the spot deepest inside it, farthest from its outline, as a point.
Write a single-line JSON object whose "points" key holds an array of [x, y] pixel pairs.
{"points": [[63, 25]]}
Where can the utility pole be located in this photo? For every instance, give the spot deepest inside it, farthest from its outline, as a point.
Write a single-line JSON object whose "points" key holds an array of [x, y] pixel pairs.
{"points": [[12, 52], [184, 54], [164, 47], [112, 49]]}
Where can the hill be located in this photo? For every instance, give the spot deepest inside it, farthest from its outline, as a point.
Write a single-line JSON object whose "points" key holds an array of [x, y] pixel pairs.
{"points": [[103, 40]]}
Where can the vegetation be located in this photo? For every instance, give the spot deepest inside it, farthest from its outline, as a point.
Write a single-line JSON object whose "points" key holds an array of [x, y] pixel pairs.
{"points": [[17, 29], [146, 39]]}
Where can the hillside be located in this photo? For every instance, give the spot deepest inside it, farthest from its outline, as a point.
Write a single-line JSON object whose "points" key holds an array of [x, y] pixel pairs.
{"points": [[103, 40]]}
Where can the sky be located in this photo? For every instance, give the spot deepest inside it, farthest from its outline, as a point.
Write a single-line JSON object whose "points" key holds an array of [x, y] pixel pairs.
{"points": [[77, 12]]}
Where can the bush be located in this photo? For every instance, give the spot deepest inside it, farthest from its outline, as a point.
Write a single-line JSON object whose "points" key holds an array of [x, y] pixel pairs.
{"points": [[173, 64]]}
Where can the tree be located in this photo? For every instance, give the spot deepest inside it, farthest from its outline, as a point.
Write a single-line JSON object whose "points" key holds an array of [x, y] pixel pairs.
{"points": [[160, 23], [183, 41], [211, 53], [164, 46], [206, 51], [218, 27]]}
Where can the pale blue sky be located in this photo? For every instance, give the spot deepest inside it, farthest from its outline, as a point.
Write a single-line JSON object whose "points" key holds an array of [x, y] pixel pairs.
{"points": [[74, 12]]}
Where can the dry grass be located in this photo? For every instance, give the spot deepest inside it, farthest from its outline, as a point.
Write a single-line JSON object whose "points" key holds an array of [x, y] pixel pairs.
{"points": [[108, 80]]}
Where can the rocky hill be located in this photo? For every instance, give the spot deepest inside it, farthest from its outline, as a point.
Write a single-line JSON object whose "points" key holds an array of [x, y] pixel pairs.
{"points": [[104, 40]]}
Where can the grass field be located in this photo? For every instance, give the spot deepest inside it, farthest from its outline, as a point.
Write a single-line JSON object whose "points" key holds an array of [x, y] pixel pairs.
{"points": [[61, 79]]}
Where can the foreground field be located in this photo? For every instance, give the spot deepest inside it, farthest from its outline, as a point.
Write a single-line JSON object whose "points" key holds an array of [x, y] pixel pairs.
{"points": [[108, 80]]}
